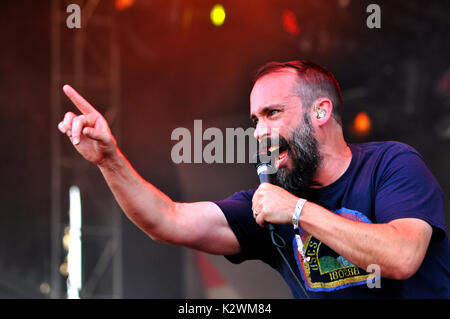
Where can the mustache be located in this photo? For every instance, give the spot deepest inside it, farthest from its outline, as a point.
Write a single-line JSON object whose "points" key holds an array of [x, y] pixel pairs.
{"points": [[284, 144]]}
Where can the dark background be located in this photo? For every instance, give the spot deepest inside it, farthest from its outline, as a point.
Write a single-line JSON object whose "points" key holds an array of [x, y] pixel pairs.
{"points": [[175, 66]]}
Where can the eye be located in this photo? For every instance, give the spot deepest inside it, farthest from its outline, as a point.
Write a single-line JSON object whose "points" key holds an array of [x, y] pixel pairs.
{"points": [[255, 121], [273, 112]]}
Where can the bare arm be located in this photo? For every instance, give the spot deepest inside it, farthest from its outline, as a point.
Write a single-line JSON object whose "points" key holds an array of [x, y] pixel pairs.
{"points": [[199, 225], [397, 247]]}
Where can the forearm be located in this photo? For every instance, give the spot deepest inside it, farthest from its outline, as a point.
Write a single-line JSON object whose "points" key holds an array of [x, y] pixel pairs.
{"points": [[199, 225], [361, 243], [144, 204]]}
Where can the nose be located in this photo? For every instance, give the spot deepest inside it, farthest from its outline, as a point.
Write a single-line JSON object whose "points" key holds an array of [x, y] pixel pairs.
{"points": [[261, 130]]}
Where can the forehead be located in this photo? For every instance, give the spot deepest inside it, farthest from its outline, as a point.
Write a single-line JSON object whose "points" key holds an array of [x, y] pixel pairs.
{"points": [[273, 88]]}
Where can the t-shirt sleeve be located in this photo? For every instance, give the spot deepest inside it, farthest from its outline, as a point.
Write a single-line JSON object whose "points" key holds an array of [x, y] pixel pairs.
{"points": [[253, 239], [406, 188]]}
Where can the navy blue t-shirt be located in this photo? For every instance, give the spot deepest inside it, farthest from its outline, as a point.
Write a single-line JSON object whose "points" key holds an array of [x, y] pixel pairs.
{"points": [[384, 181]]}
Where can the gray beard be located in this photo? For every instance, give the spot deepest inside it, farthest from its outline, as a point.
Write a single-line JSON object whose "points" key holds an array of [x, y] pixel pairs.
{"points": [[303, 149]]}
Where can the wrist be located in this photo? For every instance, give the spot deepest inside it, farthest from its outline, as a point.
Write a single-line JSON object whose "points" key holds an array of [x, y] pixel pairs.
{"points": [[295, 223], [111, 161], [298, 212]]}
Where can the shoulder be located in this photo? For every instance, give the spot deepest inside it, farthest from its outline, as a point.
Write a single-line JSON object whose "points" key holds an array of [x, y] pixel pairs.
{"points": [[391, 161], [385, 149], [238, 203], [380, 155], [396, 163]]}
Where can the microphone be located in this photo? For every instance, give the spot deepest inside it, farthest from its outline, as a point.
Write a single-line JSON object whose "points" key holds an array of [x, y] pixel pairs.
{"points": [[264, 160], [264, 177], [264, 169]]}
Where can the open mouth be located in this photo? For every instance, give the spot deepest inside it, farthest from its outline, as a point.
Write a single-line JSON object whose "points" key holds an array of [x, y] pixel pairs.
{"points": [[281, 159]]}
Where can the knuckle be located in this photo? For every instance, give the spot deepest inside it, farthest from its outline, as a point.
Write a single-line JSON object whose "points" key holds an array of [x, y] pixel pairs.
{"points": [[86, 130], [68, 116], [75, 121], [79, 118], [79, 121], [67, 122]]}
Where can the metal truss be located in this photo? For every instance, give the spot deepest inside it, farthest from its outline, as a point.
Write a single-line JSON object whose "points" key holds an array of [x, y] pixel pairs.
{"points": [[88, 59]]}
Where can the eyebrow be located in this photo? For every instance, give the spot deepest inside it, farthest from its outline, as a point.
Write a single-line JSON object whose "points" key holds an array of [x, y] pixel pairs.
{"points": [[266, 109]]}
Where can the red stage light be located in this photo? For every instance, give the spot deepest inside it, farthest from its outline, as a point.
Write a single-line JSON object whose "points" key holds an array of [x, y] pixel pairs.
{"points": [[290, 24]]}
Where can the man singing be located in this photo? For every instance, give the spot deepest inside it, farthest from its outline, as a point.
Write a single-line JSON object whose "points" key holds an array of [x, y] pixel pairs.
{"points": [[340, 208]]}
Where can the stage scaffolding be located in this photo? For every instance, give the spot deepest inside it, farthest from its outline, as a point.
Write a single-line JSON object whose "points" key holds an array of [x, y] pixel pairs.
{"points": [[88, 59]]}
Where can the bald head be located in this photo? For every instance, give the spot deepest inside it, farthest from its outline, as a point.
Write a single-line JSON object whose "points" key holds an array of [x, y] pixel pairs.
{"points": [[312, 82]]}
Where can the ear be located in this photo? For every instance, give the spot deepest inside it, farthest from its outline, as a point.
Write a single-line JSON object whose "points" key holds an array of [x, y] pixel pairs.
{"points": [[321, 111]]}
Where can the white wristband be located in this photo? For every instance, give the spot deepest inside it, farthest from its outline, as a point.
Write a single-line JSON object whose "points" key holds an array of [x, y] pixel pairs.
{"points": [[298, 211], [295, 218]]}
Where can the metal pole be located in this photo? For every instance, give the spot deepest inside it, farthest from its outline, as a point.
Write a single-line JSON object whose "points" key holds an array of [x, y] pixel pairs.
{"points": [[55, 252]]}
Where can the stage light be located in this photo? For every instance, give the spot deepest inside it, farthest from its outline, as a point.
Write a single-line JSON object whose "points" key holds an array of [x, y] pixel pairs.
{"points": [[344, 3], [290, 23], [123, 4], [66, 238], [362, 124], [45, 288], [74, 262], [217, 15], [63, 269]]}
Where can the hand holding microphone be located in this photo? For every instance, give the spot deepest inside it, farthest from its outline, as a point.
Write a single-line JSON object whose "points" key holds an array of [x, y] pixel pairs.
{"points": [[271, 204], [264, 170]]}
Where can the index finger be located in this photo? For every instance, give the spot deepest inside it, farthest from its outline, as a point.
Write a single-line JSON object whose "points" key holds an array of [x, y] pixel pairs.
{"points": [[84, 106]]}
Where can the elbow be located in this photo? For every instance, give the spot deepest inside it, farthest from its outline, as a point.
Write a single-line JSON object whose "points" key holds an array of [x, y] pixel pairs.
{"points": [[155, 237], [168, 229], [160, 230], [402, 273], [406, 266], [152, 232], [158, 236]]}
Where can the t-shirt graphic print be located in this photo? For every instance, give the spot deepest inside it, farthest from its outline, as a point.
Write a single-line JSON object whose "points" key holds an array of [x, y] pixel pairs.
{"points": [[325, 270]]}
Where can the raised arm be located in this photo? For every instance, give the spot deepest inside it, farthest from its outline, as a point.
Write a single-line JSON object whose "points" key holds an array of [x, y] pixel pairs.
{"points": [[198, 225]]}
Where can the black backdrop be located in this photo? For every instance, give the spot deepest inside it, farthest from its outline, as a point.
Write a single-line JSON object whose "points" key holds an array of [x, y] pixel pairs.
{"points": [[172, 74]]}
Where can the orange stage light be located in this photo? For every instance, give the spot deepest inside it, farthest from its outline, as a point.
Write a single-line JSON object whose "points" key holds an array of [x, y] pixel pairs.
{"points": [[123, 4], [362, 124]]}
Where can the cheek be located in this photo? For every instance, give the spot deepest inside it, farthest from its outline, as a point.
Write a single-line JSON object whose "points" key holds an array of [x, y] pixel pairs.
{"points": [[286, 128]]}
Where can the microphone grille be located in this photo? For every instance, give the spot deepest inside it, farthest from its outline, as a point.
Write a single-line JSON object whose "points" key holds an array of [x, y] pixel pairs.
{"points": [[262, 168]]}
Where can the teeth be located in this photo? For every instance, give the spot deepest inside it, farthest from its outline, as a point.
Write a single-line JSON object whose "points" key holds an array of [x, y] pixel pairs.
{"points": [[273, 148], [280, 158]]}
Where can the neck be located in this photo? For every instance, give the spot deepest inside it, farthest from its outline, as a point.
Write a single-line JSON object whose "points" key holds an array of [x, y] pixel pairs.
{"points": [[336, 158]]}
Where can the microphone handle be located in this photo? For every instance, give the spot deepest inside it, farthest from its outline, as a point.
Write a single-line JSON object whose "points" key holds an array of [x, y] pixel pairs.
{"points": [[265, 178]]}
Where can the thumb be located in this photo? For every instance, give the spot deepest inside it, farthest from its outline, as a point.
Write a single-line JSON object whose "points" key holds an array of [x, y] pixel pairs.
{"points": [[95, 134]]}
